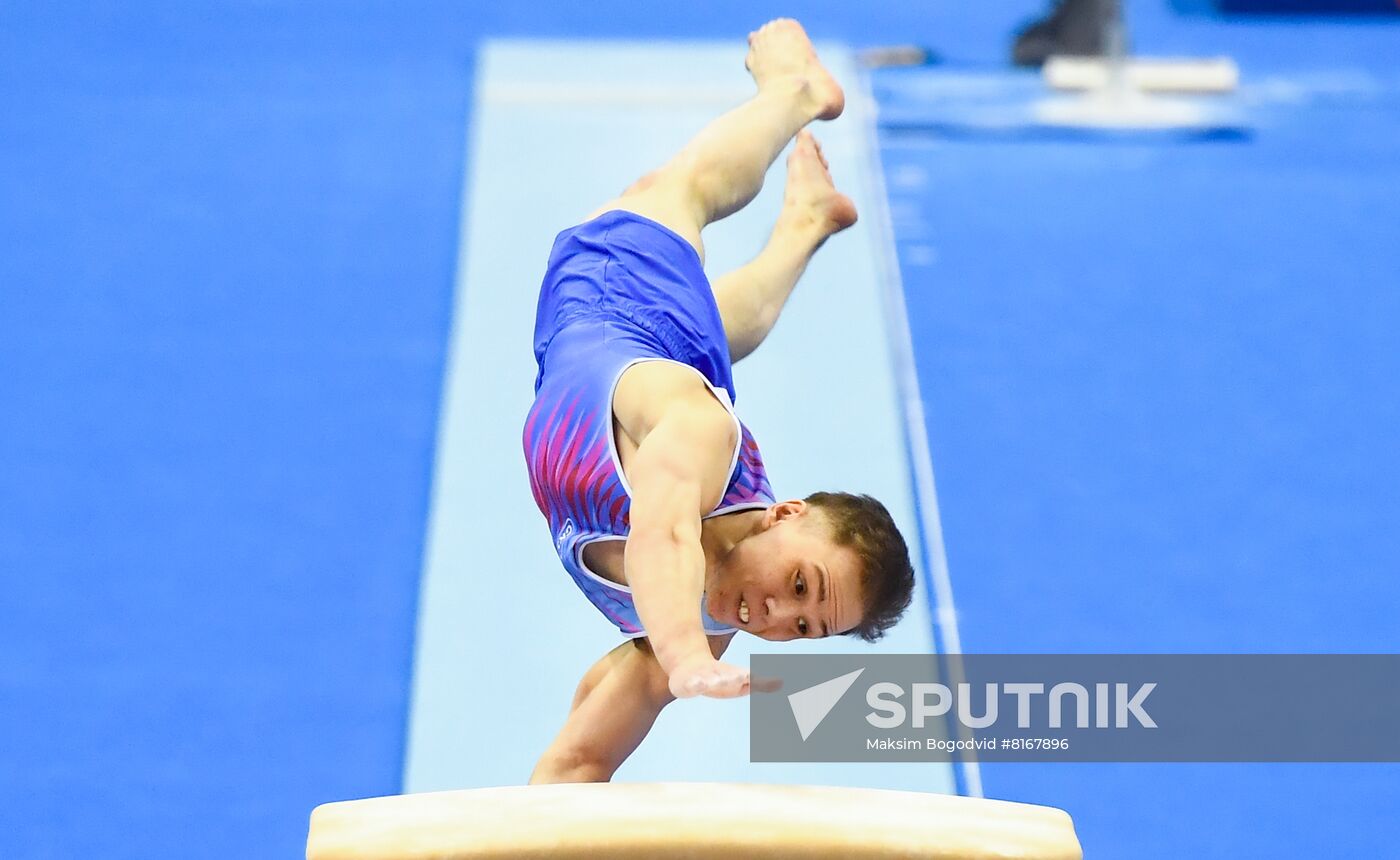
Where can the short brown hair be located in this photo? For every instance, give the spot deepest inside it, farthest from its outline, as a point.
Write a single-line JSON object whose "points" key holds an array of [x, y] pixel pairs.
{"points": [[887, 578]]}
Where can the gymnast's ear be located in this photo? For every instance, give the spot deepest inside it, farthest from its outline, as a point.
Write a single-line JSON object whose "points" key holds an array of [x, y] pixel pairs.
{"points": [[779, 511]]}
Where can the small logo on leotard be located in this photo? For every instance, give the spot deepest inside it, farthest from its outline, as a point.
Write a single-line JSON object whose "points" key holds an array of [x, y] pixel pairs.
{"points": [[564, 533]]}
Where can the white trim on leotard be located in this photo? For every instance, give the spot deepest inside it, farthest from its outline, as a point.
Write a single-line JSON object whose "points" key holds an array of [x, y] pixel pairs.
{"points": [[608, 583], [603, 580]]}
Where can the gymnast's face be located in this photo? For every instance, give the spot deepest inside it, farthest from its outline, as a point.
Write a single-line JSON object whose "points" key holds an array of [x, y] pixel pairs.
{"points": [[787, 579]]}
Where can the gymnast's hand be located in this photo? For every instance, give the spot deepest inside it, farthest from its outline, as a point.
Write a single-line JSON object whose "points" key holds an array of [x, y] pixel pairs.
{"points": [[705, 676]]}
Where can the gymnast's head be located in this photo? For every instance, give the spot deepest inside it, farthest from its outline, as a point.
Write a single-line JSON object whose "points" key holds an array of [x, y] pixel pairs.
{"points": [[830, 564]]}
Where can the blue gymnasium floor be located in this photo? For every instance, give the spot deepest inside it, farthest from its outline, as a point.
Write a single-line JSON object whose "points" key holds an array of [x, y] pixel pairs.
{"points": [[1159, 382]]}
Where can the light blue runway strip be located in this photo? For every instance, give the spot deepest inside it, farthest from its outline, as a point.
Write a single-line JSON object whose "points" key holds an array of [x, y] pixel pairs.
{"points": [[934, 559], [504, 635]]}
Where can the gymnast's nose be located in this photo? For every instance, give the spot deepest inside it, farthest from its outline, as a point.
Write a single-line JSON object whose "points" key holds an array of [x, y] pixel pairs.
{"points": [[771, 605]]}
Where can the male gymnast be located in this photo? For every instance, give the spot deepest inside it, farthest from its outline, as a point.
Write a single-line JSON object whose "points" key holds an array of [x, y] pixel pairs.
{"points": [[655, 492]]}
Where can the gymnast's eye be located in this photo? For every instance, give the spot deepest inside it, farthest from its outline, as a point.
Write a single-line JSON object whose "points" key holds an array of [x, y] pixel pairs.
{"points": [[802, 626], [801, 585]]}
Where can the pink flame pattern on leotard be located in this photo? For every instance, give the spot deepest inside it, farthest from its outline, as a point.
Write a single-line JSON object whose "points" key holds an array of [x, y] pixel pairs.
{"points": [[576, 485]]}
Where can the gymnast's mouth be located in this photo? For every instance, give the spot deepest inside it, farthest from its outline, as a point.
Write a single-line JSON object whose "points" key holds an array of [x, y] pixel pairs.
{"points": [[743, 610]]}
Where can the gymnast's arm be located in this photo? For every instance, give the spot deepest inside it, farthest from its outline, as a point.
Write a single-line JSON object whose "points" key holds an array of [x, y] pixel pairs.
{"points": [[685, 445], [615, 706]]}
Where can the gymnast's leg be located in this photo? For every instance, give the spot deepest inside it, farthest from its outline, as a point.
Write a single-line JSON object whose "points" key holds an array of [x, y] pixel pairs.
{"points": [[751, 297], [722, 167]]}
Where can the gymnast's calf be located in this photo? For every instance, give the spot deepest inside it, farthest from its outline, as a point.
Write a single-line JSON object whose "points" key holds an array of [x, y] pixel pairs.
{"points": [[655, 492]]}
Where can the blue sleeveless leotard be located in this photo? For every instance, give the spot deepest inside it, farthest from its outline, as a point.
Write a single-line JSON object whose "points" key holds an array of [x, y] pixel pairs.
{"points": [[620, 289]]}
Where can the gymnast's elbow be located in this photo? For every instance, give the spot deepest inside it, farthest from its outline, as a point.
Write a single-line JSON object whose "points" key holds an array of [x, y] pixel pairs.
{"points": [[563, 767]]}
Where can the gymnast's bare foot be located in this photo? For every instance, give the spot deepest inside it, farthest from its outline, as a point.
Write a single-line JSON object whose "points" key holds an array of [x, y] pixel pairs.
{"points": [[811, 203], [780, 54]]}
